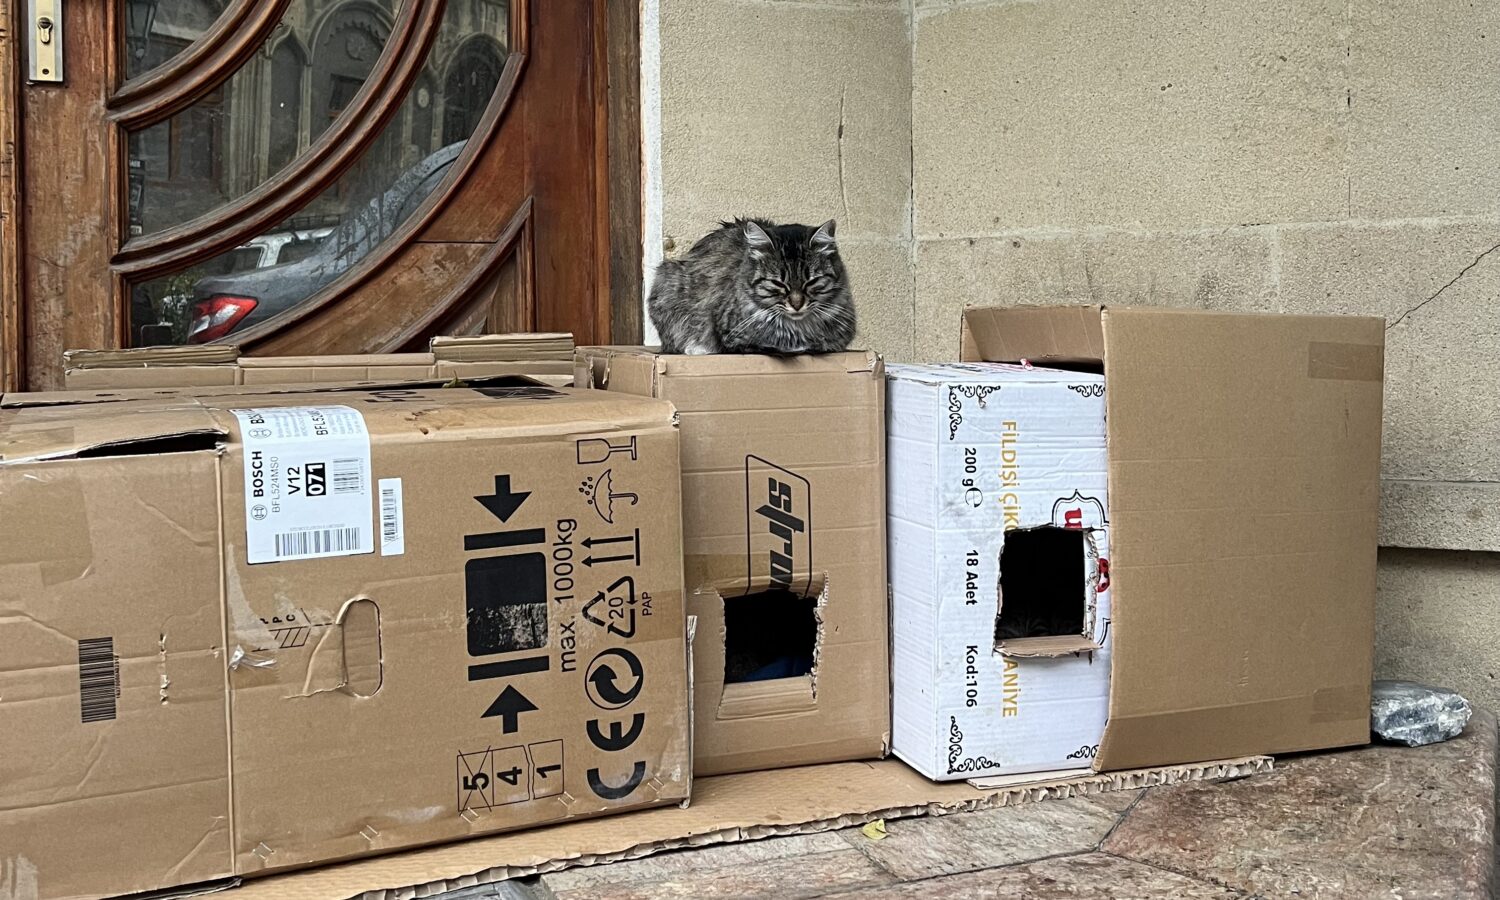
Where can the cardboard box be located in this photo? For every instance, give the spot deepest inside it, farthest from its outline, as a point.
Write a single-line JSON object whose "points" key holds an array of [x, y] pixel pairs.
{"points": [[1243, 473], [546, 357], [999, 557], [784, 522], [476, 644]]}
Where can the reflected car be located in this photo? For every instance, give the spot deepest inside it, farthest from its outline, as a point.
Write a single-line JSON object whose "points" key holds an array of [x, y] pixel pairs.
{"points": [[226, 304]]}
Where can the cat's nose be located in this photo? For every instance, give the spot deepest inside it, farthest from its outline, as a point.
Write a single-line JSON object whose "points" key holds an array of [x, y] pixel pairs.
{"points": [[795, 302]]}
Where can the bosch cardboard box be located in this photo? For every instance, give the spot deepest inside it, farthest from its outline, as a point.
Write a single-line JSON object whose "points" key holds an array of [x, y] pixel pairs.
{"points": [[253, 632], [783, 468], [999, 562], [1243, 463], [545, 357]]}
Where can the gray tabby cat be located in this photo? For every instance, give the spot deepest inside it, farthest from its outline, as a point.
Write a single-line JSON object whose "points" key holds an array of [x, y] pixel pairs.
{"points": [[751, 286]]}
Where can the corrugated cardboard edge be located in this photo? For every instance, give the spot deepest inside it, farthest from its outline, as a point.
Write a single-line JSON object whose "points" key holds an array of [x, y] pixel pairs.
{"points": [[184, 355], [1057, 786], [725, 809]]}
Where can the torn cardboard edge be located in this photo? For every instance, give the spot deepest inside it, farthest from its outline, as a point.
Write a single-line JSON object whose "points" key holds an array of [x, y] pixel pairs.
{"points": [[724, 809], [1059, 645]]}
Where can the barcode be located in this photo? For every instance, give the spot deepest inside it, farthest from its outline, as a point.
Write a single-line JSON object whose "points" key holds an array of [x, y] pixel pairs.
{"points": [[317, 541], [98, 678], [348, 476], [389, 530], [392, 540]]}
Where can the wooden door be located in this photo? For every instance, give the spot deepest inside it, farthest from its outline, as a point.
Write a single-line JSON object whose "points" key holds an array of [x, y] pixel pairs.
{"points": [[302, 176]]}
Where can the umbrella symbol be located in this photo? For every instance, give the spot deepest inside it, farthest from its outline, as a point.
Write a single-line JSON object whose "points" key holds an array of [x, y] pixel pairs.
{"points": [[601, 495]]}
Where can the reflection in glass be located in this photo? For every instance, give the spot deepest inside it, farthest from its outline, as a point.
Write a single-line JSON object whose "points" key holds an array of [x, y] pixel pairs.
{"points": [[226, 145], [157, 30]]}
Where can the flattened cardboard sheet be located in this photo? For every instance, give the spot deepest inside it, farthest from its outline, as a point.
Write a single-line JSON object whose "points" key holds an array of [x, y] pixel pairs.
{"points": [[724, 809]]}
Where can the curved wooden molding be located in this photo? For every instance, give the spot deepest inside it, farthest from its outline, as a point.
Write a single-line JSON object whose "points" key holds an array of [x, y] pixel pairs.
{"points": [[486, 132], [355, 129], [516, 237], [327, 300], [211, 60]]}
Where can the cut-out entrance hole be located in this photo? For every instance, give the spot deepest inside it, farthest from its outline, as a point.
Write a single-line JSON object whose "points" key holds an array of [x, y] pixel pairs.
{"points": [[1043, 589], [769, 635]]}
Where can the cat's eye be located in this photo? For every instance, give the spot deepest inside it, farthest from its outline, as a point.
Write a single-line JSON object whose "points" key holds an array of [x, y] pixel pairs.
{"points": [[818, 285], [770, 287]]}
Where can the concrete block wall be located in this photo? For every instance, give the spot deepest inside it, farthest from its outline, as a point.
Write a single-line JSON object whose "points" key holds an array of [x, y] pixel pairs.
{"points": [[1289, 155]]}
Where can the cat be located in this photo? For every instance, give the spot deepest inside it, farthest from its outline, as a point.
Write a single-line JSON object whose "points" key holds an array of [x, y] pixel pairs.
{"points": [[751, 286]]}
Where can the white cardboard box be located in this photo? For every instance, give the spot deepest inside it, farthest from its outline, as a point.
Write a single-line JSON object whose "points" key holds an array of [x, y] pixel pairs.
{"points": [[978, 452]]}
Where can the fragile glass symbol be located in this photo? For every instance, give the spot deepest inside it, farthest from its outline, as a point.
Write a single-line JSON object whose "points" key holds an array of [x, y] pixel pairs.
{"points": [[602, 496], [597, 450]]}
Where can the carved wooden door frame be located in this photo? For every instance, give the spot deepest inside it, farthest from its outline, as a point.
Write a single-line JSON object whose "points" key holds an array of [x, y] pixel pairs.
{"points": [[570, 85]]}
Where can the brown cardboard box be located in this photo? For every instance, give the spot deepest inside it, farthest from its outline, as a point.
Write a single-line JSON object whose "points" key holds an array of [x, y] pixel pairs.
{"points": [[546, 357], [783, 465], [1244, 465], [507, 650]]}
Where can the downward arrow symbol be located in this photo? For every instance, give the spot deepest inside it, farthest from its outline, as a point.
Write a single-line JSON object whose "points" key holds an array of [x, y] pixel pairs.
{"points": [[503, 503], [509, 706]]}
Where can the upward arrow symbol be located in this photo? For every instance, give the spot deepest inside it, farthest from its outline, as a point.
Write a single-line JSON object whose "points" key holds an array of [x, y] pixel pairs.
{"points": [[503, 503], [509, 706]]}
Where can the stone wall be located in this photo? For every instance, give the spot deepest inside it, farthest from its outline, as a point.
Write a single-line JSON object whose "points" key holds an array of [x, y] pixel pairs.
{"points": [[800, 112], [1287, 156]]}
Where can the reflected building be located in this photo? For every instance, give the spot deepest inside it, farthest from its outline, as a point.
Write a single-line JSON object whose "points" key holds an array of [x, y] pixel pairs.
{"points": [[266, 115], [289, 93]]}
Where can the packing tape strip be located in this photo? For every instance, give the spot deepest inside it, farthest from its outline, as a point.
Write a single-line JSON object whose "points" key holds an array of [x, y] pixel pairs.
{"points": [[1335, 361]]}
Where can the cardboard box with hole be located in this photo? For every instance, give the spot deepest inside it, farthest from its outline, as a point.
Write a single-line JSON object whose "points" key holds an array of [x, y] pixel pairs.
{"points": [[252, 632], [784, 523], [1242, 470], [544, 357], [999, 568]]}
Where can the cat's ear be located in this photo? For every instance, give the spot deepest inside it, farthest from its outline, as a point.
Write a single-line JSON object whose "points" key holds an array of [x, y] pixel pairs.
{"points": [[756, 237], [822, 239]]}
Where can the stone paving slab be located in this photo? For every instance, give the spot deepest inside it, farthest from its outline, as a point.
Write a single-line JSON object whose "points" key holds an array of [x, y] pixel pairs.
{"points": [[945, 845], [1378, 822], [1088, 876], [1385, 821]]}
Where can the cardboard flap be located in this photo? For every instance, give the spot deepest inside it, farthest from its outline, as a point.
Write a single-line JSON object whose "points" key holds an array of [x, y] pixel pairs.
{"points": [[1052, 334], [1244, 463], [758, 699], [627, 370], [186, 395], [1046, 647], [753, 365], [546, 345], [353, 360], [144, 432], [185, 355]]}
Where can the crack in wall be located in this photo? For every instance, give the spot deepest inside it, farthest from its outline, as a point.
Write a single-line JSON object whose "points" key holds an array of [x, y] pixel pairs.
{"points": [[1440, 291]]}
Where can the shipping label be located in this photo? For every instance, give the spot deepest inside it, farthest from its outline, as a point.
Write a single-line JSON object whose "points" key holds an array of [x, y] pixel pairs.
{"points": [[308, 493]]}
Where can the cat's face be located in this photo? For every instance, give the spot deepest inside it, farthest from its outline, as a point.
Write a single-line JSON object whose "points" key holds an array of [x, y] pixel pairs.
{"points": [[794, 271]]}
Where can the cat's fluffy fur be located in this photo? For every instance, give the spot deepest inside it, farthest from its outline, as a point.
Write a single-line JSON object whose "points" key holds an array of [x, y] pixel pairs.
{"points": [[751, 286]]}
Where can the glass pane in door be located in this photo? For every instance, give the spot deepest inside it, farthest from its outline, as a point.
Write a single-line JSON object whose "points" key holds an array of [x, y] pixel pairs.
{"points": [[157, 30], [275, 271], [258, 121]]}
